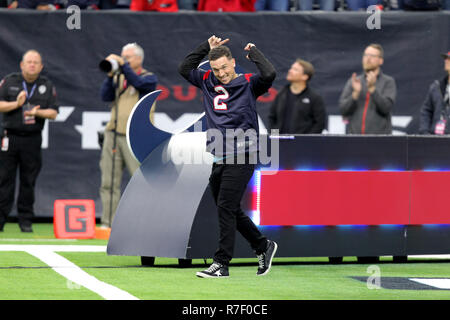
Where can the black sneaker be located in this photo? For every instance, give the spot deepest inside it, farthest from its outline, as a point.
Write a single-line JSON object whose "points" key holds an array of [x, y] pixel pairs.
{"points": [[26, 229], [216, 270], [265, 259]]}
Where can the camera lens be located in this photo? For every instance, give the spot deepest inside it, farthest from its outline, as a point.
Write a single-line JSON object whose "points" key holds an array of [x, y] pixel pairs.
{"points": [[108, 65]]}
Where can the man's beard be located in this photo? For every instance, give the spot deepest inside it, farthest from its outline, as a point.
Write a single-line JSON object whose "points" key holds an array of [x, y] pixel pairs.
{"points": [[369, 68]]}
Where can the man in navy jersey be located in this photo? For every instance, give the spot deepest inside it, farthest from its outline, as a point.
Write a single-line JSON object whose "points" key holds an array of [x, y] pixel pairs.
{"points": [[230, 107]]}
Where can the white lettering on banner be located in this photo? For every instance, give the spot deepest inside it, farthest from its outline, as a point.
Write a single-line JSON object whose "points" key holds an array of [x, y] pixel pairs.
{"points": [[400, 122], [164, 122], [94, 121], [336, 124], [63, 114]]}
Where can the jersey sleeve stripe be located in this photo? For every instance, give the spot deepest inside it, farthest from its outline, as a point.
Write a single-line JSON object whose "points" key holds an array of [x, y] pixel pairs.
{"points": [[206, 75]]}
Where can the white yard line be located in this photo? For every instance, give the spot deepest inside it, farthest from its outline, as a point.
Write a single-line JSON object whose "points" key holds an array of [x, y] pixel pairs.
{"points": [[431, 256], [47, 253], [437, 283], [59, 248], [36, 240]]}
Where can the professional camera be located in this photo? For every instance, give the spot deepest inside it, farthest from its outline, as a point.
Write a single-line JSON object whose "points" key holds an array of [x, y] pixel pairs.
{"points": [[109, 66]]}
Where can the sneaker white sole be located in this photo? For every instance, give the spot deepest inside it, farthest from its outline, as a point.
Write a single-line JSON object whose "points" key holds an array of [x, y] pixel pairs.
{"points": [[204, 275], [271, 258]]}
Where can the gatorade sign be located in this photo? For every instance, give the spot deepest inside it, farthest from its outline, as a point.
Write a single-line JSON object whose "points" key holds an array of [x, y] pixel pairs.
{"points": [[74, 219]]}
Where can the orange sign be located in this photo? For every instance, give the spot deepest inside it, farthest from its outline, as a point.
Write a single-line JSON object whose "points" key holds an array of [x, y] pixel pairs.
{"points": [[74, 219]]}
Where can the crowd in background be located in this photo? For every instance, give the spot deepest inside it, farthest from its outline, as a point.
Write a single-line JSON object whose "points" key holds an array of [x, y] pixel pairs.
{"points": [[229, 5]]}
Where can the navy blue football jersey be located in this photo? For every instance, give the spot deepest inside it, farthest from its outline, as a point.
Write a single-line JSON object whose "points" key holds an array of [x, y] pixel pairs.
{"points": [[231, 110]]}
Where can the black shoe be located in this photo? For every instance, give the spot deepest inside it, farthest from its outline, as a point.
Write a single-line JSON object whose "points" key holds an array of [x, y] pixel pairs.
{"points": [[216, 270], [265, 259], [1, 227], [26, 229]]}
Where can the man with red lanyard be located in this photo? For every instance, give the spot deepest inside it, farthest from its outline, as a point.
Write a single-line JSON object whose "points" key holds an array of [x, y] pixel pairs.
{"points": [[435, 111], [367, 100], [123, 87]]}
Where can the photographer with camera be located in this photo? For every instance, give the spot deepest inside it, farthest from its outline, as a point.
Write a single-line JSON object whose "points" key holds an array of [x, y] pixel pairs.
{"points": [[127, 81]]}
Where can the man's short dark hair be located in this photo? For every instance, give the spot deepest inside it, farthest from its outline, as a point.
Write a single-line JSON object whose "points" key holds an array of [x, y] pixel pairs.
{"points": [[32, 50], [219, 52], [308, 68], [378, 47]]}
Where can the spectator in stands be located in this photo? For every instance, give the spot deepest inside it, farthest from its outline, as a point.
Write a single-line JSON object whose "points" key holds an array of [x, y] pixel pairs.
{"points": [[423, 5], [273, 5], [82, 4], [123, 4], [325, 5], [394, 4], [368, 98], [109, 4], [297, 108], [27, 99], [226, 5], [355, 5], [155, 5], [187, 4], [53, 4], [435, 111], [113, 4], [34, 4], [123, 89], [446, 4]]}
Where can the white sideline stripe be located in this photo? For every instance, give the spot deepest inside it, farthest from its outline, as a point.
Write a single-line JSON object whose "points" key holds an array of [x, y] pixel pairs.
{"points": [[60, 248], [69, 270], [431, 256], [38, 240], [437, 283]]}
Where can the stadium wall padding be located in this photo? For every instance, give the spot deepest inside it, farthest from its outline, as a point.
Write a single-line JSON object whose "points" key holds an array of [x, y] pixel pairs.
{"points": [[333, 42]]}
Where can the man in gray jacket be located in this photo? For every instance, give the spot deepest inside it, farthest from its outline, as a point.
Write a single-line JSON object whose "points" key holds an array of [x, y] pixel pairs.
{"points": [[368, 98], [435, 111]]}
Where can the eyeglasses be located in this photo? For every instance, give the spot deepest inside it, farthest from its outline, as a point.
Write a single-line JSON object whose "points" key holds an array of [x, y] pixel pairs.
{"points": [[371, 55], [128, 57]]}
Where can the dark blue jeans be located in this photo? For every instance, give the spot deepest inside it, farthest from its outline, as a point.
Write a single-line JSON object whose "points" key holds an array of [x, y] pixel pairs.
{"points": [[273, 5], [356, 5], [228, 183]]}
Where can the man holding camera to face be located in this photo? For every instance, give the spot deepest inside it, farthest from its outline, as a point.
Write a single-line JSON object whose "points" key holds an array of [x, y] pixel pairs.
{"points": [[127, 81]]}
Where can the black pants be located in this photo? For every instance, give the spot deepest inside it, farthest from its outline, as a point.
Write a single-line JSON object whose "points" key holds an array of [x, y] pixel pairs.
{"points": [[24, 153], [228, 183]]}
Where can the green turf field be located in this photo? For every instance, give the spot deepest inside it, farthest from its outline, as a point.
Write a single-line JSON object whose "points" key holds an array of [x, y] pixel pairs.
{"points": [[24, 276]]}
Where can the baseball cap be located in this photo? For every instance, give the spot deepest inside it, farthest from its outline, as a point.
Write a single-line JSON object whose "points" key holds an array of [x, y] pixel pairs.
{"points": [[445, 55]]}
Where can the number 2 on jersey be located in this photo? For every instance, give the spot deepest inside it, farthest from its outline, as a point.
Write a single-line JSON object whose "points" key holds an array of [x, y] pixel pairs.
{"points": [[220, 105]]}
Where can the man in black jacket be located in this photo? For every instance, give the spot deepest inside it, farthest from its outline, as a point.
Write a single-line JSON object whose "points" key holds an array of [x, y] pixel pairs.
{"points": [[27, 99], [435, 111], [298, 108]]}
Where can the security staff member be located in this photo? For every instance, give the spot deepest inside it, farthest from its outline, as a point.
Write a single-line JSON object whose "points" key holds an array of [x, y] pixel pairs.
{"points": [[298, 109], [26, 100]]}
